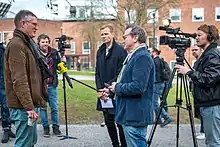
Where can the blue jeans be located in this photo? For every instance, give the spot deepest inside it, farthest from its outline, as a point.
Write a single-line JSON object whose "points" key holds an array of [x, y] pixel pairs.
{"points": [[6, 121], [211, 122], [158, 91], [53, 102], [135, 136], [26, 136]]}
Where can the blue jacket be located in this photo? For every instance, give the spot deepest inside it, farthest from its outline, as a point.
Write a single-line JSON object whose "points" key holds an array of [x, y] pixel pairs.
{"points": [[2, 51], [134, 93]]}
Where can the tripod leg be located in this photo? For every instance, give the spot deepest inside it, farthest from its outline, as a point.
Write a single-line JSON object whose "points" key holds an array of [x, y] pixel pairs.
{"points": [[189, 108], [164, 97]]}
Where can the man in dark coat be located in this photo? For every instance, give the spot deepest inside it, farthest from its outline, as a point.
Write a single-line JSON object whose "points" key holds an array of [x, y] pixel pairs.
{"points": [[109, 60]]}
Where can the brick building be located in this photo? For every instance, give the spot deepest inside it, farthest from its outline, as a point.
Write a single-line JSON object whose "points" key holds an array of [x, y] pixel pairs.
{"points": [[187, 15]]}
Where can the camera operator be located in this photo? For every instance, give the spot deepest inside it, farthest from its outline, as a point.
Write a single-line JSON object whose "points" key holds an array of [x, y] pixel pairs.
{"points": [[159, 86], [53, 59], [206, 81], [25, 72], [110, 57]]}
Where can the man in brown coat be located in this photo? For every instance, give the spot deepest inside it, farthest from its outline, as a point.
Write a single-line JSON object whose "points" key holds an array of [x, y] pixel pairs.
{"points": [[24, 84]]}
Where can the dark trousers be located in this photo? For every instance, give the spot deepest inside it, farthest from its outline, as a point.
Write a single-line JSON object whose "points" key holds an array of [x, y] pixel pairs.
{"points": [[112, 130]]}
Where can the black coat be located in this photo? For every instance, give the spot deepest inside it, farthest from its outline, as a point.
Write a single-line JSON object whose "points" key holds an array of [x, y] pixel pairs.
{"points": [[206, 78], [108, 67]]}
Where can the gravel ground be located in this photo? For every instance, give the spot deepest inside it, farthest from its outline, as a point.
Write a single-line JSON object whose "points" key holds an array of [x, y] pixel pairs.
{"points": [[96, 136]]}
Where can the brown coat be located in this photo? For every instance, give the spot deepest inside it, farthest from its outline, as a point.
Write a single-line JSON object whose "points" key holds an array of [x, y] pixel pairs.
{"points": [[23, 83]]}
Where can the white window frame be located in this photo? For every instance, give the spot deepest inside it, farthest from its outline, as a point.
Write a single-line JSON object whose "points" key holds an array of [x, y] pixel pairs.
{"points": [[1, 38], [3, 35], [217, 11], [148, 41], [99, 43], [194, 11], [133, 16], [83, 51], [171, 61], [73, 47], [175, 11], [150, 17]]}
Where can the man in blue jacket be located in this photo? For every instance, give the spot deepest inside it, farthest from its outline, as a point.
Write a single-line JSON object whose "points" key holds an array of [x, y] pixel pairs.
{"points": [[134, 88]]}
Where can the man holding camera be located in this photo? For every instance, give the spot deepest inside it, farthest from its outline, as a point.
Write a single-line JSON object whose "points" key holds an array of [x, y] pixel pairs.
{"points": [[109, 60], [206, 81], [53, 59], [24, 79]]}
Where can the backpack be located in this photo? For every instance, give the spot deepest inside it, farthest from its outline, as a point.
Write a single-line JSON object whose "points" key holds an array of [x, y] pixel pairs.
{"points": [[165, 71]]}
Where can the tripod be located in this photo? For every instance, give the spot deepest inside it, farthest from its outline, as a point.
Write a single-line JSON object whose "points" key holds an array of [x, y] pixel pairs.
{"points": [[65, 107], [180, 88]]}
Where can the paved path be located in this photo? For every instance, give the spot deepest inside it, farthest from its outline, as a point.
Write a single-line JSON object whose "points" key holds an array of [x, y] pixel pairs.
{"points": [[96, 136]]}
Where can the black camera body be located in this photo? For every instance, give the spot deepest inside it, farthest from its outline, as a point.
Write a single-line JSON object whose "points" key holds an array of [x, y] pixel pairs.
{"points": [[181, 41], [62, 45]]}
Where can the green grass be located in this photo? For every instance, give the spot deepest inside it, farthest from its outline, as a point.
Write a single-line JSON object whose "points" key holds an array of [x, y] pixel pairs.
{"points": [[84, 73], [81, 105]]}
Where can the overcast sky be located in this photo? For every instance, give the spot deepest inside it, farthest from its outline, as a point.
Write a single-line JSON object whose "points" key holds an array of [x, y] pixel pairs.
{"points": [[38, 7]]}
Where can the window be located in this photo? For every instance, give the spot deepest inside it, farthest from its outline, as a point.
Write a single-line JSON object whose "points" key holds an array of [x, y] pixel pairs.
{"points": [[175, 15], [73, 47], [5, 34], [152, 15], [193, 42], [130, 16], [99, 43], [217, 13], [197, 14], [150, 42], [1, 37], [86, 47], [172, 63], [218, 42]]}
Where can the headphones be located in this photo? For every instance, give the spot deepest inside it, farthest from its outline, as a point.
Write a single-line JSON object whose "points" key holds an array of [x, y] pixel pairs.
{"points": [[42, 36], [210, 35]]}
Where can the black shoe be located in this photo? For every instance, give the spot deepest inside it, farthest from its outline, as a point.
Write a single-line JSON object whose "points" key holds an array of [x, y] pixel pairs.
{"points": [[5, 137], [11, 134], [47, 131], [166, 122], [56, 130]]}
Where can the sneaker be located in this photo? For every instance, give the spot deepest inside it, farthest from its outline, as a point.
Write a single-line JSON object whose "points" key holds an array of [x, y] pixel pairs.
{"points": [[166, 122], [11, 134], [56, 130], [200, 136], [5, 137], [102, 124], [47, 131]]}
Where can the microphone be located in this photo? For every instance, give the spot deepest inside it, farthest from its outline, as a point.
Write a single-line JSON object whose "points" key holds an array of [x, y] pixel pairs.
{"points": [[193, 35], [68, 79], [162, 28], [62, 69]]}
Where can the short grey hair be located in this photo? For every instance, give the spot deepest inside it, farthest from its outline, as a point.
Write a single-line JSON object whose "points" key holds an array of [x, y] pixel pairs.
{"points": [[137, 31], [22, 15]]}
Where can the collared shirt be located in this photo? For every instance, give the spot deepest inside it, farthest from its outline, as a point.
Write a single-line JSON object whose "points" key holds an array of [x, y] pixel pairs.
{"points": [[107, 50]]}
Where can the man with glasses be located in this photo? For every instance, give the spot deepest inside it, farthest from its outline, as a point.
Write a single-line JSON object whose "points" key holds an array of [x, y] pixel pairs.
{"points": [[24, 79]]}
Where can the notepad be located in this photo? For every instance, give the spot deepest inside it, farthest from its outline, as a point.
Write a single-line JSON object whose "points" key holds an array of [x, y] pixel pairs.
{"points": [[107, 103]]}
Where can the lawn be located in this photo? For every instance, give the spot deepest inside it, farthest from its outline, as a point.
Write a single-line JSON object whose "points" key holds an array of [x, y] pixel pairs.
{"points": [[84, 73], [81, 104]]}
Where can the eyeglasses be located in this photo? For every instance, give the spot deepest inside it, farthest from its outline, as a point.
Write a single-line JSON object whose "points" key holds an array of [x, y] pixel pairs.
{"points": [[194, 50], [33, 23]]}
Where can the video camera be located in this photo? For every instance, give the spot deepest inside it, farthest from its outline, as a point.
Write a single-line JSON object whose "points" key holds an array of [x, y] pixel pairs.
{"points": [[62, 44], [180, 41]]}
